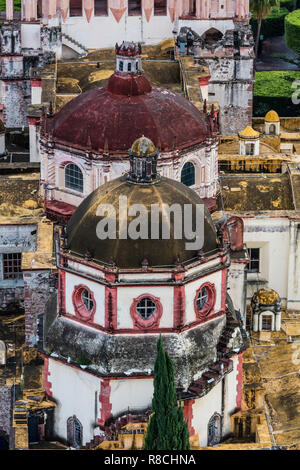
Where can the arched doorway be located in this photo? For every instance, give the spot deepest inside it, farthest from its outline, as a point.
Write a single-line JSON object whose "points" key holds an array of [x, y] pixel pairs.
{"points": [[212, 35], [74, 432], [214, 430], [272, 129]]}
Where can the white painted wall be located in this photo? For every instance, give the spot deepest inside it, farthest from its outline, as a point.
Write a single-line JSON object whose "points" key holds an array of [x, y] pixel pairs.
{"points": [[236, 284], [30, 36], [205, 407], [131, 393], [98, 291], [126, 296], [190, 293], [74, 392], [272, 236]]}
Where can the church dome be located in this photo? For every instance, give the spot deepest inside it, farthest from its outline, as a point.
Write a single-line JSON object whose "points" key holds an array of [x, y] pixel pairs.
{"points": [[111, 118], [272, 116], [130, 253]]}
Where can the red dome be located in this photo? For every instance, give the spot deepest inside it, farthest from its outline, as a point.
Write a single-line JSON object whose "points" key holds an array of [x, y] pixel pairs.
{"points": [[113, 118]]}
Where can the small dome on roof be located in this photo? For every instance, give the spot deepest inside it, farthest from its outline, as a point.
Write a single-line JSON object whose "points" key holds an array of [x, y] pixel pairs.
{"points": [[249, 133], [266, 296], [272, 116], [143, 147]]}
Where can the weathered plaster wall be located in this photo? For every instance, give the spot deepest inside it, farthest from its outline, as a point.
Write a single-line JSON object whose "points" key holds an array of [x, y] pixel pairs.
{"points": [[38, 287], [76, 393], [272, 236]]}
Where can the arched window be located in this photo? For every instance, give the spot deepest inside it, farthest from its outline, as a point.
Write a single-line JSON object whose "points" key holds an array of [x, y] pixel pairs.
{"points": [[73, 177], [160, 7], [134, 7], [188, 174], [74, 432], [75, 7], [214, 430], [272, 129], [129, 67], [100, 7]]}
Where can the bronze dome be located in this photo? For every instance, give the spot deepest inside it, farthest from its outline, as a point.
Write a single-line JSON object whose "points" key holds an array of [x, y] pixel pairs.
{"points": [[129, 253]]}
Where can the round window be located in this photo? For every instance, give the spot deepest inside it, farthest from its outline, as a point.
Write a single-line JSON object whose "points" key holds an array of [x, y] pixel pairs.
{"points": [[146, 308], [202, 298], [84, 302], [87, 300]]}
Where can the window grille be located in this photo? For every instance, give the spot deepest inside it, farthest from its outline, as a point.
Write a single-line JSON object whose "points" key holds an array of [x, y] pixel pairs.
{"points": [[146, 308], [188, 174], [73, 177], [12, 265]]}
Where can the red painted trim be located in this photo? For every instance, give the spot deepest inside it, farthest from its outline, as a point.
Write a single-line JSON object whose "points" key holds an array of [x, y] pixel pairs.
{"points": [[179, 306], [104, 399], [203, 81], [80, 309], [239, 378], [188, 414], [36, 82], [47, 383], [110, 320], [223, 289], [32, 121], [209, 306], [138, 322], [126, 331], [62, 291]]}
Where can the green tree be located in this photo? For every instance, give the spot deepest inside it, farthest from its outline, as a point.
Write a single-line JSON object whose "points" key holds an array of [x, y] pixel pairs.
{"points": [[167, 429], [261, 9]]}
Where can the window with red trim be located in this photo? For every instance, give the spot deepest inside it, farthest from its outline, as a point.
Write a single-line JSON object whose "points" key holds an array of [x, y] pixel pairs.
{"points": [[84, 302], [205, 299], [146, 311]]}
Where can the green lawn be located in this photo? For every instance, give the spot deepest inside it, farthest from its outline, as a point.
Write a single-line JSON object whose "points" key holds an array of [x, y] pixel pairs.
{"points": [[273, 90], [17, 6]]}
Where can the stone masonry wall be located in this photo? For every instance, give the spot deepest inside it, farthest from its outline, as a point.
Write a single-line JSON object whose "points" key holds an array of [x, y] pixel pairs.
{"points": [[38, 286], [5, 411]]}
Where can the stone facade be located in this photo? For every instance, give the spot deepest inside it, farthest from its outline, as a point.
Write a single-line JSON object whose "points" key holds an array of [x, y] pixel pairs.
{"points": [[6, 401], [38, 286], [23, 46], [230, 61]]}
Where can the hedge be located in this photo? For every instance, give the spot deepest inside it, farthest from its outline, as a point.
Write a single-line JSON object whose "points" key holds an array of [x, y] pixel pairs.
{"points": [[273, 90], [17, 5], [289, 4], [292, 30], [272, 25]]}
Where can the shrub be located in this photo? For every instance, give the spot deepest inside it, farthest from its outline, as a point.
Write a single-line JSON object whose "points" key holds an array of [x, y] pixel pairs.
{"points": [[272, 25], [273, 90], [289, 4], [292, 30], [17, 5]]}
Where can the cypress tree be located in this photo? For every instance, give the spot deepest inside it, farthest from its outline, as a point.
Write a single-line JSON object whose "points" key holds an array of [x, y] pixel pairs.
{"points": [[167, 429]]}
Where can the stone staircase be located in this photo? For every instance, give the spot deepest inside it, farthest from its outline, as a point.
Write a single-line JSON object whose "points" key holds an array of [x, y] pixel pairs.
{"points": [[116, 428], [212, 376], [77, 46]]}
